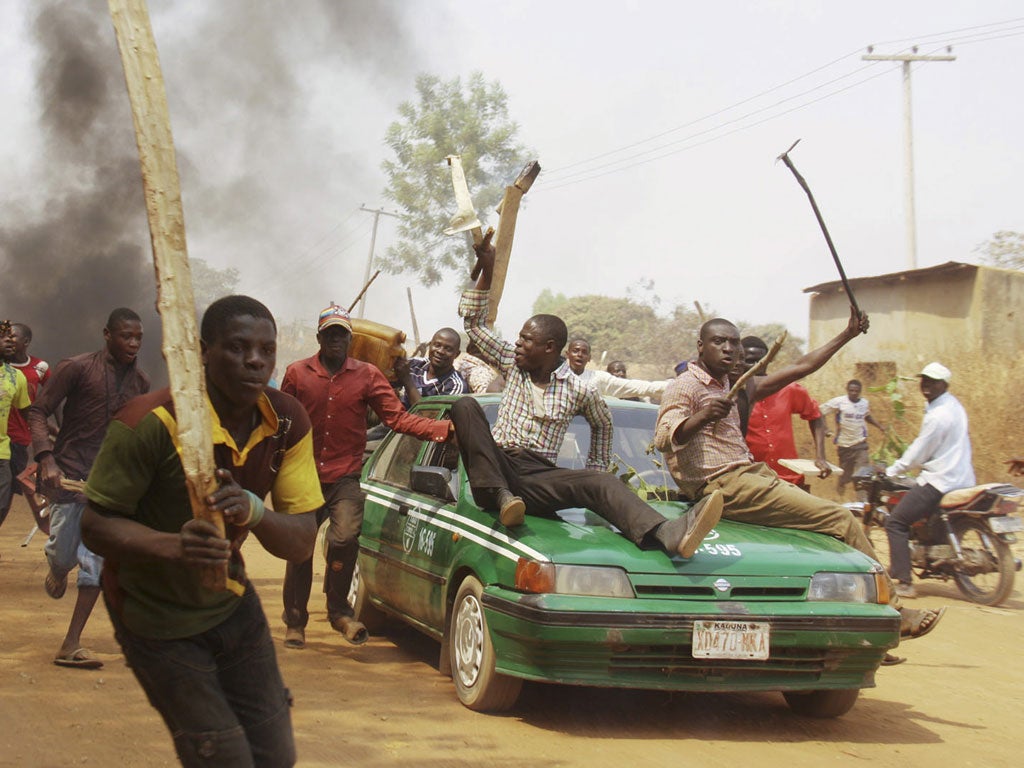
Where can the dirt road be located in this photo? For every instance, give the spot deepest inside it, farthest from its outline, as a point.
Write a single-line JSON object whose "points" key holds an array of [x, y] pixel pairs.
{"points": [[958, 700]]}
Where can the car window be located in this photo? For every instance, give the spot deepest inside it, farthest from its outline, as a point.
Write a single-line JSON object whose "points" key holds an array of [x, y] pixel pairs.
{"points": [[398, 455], [632, 443]]}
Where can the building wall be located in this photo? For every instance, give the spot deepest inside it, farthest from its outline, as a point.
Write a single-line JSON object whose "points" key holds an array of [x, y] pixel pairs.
{"points": [[969, 319]]}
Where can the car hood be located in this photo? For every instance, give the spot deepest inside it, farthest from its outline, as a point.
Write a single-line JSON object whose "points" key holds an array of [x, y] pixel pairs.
{"points": [[732, 548]]}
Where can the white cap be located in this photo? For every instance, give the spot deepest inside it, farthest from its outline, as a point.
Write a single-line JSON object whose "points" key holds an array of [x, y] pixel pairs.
{"points": [[936, 371]]}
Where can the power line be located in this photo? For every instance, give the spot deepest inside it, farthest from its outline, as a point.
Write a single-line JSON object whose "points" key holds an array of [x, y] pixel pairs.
{"points": [[729, 108], [605, 170], [993, 32]]}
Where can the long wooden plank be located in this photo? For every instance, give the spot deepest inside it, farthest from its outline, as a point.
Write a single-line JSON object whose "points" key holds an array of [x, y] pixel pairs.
{"points": [[509, 210], [175, 299]]}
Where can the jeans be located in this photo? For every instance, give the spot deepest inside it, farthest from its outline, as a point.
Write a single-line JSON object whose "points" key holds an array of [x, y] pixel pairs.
{"points": [[344, 504], [220, 692], [64, 549], [920, 502]]}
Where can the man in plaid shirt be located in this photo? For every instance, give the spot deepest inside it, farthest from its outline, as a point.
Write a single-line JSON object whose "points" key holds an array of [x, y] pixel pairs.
{"points": [[512, 468]]}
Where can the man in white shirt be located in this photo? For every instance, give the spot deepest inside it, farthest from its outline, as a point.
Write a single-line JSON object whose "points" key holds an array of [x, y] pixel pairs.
{"points": [[942, 453], [853, 414], [578, 355]]}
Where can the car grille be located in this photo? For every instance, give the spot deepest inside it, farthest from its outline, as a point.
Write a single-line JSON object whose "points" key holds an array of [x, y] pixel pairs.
{"points": [[782, 588]]}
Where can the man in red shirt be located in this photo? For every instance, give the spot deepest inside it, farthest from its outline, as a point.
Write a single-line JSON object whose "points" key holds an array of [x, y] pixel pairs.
{"points": [[769, 432], [337, 391]]}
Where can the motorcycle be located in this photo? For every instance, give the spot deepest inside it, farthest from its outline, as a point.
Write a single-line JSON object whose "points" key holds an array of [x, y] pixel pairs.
{"points": [[967, 540]]}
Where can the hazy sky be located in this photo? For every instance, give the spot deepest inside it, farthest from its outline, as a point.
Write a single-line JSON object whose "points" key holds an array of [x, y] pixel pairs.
{"points": [[279, 111]]}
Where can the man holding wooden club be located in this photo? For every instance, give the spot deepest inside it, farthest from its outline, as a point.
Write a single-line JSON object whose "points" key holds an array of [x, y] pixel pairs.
{"points": [[205, 657]]}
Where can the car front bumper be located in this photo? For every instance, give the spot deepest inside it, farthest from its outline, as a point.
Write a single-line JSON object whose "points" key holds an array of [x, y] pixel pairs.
{"points": [[647, 643]]}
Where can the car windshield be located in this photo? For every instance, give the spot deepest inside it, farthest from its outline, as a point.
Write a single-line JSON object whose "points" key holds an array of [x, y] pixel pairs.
{"points": [[633, 451]]}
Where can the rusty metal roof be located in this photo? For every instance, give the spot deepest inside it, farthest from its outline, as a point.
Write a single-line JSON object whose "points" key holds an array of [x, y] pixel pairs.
{"points": [[894, 277]]}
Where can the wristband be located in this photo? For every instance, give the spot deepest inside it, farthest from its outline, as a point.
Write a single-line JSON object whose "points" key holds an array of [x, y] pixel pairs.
{"points": [[256, 510]]}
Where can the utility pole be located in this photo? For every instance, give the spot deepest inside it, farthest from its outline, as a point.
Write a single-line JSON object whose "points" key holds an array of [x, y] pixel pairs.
{"points": [[377, 213], [908, 204]]}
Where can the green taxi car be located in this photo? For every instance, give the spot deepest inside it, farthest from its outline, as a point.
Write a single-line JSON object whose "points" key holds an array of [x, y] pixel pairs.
{"points": [[570, 600]]}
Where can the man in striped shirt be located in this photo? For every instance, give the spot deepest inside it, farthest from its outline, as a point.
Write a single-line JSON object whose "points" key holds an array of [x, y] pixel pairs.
{"points": [[434, 374], [512, 468]]}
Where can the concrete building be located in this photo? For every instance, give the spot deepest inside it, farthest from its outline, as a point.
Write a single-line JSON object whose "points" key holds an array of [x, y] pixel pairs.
{"points": [[968, 317]]}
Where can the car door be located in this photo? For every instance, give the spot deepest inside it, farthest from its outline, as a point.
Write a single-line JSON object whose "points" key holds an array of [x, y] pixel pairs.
{"points": [[405, 550]]}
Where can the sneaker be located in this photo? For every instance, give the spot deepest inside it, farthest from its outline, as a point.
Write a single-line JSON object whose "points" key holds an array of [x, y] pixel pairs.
{"points": [[905, 589], [683, 535], [511, 509]]}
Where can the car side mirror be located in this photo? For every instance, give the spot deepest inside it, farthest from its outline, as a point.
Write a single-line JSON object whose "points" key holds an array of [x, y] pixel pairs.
{"points": [[433, 481]]}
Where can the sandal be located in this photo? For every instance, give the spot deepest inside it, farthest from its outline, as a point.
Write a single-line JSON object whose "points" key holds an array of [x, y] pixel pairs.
{"points": [[891, 660], [919, 622], [55, 587], [79, 658], [295, 637], [351, 629]]}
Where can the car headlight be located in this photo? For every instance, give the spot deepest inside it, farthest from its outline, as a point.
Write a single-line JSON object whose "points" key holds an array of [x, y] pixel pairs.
{"points": [[550, 578], [844, 587]]}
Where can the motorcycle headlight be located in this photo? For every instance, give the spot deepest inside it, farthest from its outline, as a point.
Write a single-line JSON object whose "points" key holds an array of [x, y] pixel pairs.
{"points": [[843, 587], [597, 581]]}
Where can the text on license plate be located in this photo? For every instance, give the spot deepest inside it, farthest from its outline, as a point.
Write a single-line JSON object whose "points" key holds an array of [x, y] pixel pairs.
{"points": [[730, 640]]}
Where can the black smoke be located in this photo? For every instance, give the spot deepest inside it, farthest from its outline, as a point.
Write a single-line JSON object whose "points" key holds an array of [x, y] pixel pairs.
{"points": [[255, 161]]}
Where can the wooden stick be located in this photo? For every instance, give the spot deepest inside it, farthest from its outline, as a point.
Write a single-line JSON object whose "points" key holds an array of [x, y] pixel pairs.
{"points": [[757, 367], [368, 284], [175, 300], [509, 210], [412, 313]]}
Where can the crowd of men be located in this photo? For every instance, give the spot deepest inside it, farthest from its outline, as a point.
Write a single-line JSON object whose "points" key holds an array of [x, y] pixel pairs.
{"points": [[106, 456]]}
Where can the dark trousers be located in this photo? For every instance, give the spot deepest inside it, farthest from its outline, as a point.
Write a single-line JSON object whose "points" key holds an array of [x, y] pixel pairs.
{"points": [[220, 692], [544, 487], [344, 505], [920, 502], [6, 487]]}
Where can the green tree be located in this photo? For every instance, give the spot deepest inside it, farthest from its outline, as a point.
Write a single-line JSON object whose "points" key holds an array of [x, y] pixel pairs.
{"points": [[448, 118], [1005, 249], [633, 329], [210, 283]]}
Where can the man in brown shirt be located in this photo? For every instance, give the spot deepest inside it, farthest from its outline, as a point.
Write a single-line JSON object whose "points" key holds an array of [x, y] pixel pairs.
{"points": [[698, 430], [92, 388]]}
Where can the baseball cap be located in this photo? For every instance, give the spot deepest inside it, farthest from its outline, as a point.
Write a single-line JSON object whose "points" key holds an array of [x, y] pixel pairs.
{"points": [[334, 315], [936, 371]]}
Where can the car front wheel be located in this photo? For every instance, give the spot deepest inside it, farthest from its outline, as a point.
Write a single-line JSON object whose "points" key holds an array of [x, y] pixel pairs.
{"points": [[471, 652], [823, 704]]}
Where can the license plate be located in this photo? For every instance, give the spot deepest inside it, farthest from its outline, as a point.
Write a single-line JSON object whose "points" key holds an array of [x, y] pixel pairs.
{"points": [[730, 640], [1007, 524]]}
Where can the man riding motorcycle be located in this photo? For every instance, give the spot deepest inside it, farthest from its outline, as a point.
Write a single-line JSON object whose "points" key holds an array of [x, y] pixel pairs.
{"points": [[942, 451]]}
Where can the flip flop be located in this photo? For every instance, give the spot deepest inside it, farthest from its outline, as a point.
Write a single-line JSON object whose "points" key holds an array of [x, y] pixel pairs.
{"points": [[920, 622], [55, 587], [79, 658], [891, 660]]}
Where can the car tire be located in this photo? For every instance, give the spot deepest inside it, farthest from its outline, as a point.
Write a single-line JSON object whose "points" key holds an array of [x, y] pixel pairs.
{"points": [[472, 656], [822, 704]]}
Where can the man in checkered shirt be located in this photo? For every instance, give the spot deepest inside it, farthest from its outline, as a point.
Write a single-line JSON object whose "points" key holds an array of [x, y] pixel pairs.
{"points": [[512, 469]]}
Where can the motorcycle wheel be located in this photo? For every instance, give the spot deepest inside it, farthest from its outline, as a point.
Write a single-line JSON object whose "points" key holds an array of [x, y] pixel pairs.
{"points": [[977, 539]]}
